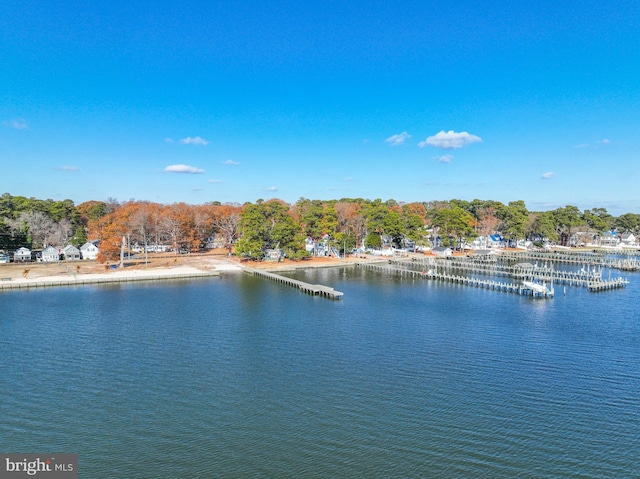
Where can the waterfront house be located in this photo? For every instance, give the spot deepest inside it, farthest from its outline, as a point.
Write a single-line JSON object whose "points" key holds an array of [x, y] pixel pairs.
{"points": [[310, 245], [628, 239], [89, 250], [21, 255], [609, 238], [496, 241], [71, 253], [50, 254], [442, 251], [4, 258]]}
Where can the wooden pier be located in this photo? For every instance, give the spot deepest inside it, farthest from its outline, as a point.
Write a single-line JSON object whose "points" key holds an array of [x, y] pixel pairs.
{"points": [[313, 289], [605, 285], [596, 258], [538, 290], [590, 278], [519, 271]]}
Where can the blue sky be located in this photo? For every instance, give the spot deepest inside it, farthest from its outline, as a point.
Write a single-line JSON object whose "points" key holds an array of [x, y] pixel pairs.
{"points": [[235, 101]]}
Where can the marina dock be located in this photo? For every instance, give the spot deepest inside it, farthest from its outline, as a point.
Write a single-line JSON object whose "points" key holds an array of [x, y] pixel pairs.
{"points": [[521, 271], [536, 290]]}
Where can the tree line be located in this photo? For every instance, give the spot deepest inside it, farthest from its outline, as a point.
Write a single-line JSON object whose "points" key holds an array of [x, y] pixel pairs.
{"points": [[251, 229]]}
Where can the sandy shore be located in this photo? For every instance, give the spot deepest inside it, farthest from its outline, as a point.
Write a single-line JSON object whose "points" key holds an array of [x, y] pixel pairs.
{"points": [[89, 272], [158, 267]]}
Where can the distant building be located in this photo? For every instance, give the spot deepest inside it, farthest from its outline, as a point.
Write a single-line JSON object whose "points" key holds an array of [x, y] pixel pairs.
{"points": [[50, 254], [4, 258], [89, 250], [71, 253], [484, 253], [609, 238], [628, 239], [442, 251], [274, 255], [496, 241], [22, 255]]}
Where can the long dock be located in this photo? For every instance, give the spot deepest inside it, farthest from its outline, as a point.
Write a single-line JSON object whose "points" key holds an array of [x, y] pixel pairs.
{"points": [[536, 290], [597, 258], [313, 289], [520, 271]]}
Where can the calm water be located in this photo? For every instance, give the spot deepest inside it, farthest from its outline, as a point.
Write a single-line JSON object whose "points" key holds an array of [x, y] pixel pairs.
{"points": [[238, 377]]}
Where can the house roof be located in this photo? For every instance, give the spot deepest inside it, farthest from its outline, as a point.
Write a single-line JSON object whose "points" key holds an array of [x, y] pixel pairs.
{"points": [[483, 252], [524, 265]]}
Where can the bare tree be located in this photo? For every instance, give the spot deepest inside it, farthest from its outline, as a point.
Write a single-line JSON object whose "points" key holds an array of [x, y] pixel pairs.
{"points": [[40, 226], [141, 224], [62, 231], [229, 228]]}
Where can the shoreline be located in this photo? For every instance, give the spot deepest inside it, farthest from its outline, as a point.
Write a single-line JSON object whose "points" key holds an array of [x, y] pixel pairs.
{"points": [[45, 275]]}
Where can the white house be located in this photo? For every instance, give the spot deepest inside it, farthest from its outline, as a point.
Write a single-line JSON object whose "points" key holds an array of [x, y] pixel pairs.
{"points": [[609, 238], [71, 253], [21, 255], [50, 254], [628, 239], [441, 251], [89, 250]]}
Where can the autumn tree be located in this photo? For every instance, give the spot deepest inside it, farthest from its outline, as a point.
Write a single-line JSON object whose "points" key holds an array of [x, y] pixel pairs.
{"points": [[351, 221], [488, 221], [226, 222]]}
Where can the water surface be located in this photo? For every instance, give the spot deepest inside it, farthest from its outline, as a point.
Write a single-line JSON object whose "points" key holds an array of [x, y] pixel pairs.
{"points": [[241, 377]]}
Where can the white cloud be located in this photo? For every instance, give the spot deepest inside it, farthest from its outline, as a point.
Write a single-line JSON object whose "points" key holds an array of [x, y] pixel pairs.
{"points": [[168, 140], [214, 181], [349, 178], [17, 123], [67, 168], [450, 140], [183, 169], [230, 162], [398, 139], [271, 188], [597, 144], [194, 141], [444, 158], [548, 175]]}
